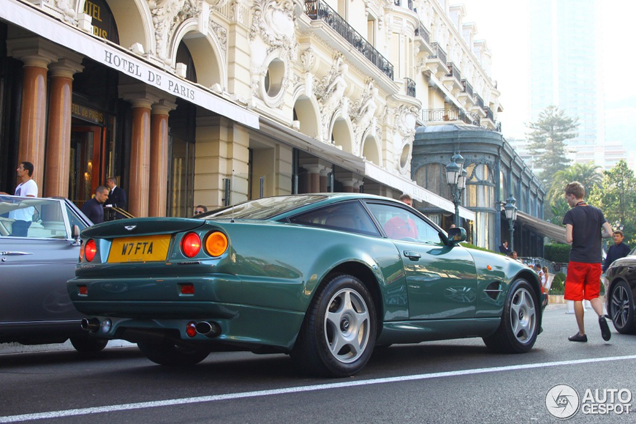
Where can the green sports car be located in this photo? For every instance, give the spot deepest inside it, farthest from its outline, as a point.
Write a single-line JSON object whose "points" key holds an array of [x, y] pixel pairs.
{"points": [[322, 277]]}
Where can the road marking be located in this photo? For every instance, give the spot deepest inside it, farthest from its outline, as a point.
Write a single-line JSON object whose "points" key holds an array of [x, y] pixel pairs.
{"points": [[301, 389]]}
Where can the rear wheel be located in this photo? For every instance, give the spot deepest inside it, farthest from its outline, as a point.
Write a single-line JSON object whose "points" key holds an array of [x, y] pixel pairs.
{"points": [[86, 345], [338, 335], [172, 355], [519, 328], [622, 308]]}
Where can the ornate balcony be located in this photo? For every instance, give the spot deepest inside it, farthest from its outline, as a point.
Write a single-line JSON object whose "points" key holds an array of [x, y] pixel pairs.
{"points": [[421, 31], [436, 61], [447, 115], [320, 10], [466, 97]]}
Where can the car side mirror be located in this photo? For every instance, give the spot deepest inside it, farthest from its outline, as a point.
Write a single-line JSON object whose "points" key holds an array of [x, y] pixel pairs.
{"points": [[456, 235], [75, 234]]}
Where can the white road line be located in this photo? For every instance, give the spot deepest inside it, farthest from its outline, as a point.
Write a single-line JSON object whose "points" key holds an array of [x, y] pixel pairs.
{"points": [[258, 393]]}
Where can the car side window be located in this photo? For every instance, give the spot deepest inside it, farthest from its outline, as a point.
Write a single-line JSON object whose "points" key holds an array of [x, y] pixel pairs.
{"points": [[347, 216], [400, 223], [33, 218]]}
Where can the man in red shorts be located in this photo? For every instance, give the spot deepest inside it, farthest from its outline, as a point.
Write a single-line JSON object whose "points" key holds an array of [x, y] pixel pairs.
{"points": [[583, 227]]}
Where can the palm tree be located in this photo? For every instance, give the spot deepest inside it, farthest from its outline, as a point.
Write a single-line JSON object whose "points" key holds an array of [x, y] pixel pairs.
{"points": [[587, 174]]}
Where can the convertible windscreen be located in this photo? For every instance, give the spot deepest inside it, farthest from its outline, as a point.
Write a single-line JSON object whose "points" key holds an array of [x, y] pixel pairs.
{"points": [[265, 208]]}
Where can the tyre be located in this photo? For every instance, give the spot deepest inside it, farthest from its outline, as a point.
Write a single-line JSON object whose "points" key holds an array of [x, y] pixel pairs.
{"points": [[86, 345], [621, 308], [338, 335], [519, 325], [172, 355]]}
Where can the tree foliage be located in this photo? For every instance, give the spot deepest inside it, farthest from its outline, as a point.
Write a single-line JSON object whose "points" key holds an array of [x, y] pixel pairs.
{"points": [[547, 138], [616, 196], [587, 174]]}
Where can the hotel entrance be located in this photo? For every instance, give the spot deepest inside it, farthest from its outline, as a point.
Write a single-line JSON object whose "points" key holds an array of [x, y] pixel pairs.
{"points": [[86, 168]]}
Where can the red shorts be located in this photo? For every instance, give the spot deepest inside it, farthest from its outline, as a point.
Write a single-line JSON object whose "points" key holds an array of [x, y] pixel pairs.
{"points": [[583, 281]]}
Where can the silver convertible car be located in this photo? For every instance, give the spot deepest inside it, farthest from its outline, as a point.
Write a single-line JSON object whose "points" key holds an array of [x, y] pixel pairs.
{"points": [[34, 306]]}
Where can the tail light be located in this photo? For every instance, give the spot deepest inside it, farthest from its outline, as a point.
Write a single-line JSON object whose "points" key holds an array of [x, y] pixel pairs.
{"points": [[191, 245], [216, 243], [90, 250]]}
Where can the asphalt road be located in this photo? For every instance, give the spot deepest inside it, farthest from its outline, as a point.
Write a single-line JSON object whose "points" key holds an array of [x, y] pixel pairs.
{"points": [[444, 382]]}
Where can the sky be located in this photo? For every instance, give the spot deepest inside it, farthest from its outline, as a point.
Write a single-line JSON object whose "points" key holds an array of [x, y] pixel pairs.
{"points": [[504, 26]]}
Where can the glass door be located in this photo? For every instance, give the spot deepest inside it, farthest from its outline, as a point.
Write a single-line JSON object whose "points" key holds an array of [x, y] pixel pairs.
{"points": [[86, 172]]}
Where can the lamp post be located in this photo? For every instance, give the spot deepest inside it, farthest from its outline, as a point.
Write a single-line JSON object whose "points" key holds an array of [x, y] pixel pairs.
{"points": [[456, 178], [511, 215]]}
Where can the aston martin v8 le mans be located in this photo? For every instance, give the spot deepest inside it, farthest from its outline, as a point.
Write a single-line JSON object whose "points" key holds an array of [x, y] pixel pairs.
{"points": [[322, 277]]}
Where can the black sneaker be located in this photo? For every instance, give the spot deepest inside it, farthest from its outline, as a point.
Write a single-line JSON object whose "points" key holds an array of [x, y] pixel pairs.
{"points": [[605, 331], [578, 338]]}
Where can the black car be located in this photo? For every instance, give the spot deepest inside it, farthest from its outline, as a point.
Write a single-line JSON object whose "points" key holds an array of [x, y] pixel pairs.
{"points": [[35, 307], [620, 291]]}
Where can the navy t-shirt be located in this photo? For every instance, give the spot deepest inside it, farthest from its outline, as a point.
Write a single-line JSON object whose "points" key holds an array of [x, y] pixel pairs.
{"points": [[587, 222]]}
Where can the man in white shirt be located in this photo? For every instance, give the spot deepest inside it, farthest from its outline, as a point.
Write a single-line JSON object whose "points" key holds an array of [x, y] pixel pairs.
{"points": [[27, 188]]}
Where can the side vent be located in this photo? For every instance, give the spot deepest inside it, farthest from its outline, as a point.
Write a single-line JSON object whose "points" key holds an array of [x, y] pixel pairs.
{"points": [[493, 290]]}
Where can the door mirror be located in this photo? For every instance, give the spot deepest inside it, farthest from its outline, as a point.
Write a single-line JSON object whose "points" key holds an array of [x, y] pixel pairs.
{"points": [[75, 233], [456, 235]]}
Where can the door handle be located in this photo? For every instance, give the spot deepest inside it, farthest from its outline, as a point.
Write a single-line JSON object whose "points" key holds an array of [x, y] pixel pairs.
{"points": [[414, 256], [9, 253]]}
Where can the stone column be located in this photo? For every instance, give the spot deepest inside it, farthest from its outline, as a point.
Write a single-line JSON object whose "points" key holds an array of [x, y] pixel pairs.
{"points": [[36, 53], [139, 176], [316, 174], [158, 195], [351, 182], [324, 175], [58, 145]]}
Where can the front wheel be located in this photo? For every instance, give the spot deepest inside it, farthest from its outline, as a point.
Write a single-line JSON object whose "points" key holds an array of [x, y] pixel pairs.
{"points": [[519, 327], [172, 355], [338, 335], [622, 308]]}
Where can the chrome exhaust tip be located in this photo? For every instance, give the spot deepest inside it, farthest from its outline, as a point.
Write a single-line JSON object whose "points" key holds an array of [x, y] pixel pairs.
{"points": [[209, 329], [90, 324]]}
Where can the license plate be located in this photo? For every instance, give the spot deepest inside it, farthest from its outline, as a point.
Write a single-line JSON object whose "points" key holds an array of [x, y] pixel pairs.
{"points": [[140, 249]]}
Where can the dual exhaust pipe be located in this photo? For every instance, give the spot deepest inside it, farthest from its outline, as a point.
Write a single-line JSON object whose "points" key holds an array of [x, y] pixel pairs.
{"points": [[208, 329]]}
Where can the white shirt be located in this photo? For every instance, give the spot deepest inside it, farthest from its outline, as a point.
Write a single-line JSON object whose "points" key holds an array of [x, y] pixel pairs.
{"points": [[30, 188]]}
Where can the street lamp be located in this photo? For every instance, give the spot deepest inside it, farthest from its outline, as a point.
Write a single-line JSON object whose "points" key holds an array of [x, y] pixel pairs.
{"points": [[456, 178], [511, 215]]}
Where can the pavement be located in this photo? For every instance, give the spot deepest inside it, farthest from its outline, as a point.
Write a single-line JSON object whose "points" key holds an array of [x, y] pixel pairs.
{"points": [[13, 348]]}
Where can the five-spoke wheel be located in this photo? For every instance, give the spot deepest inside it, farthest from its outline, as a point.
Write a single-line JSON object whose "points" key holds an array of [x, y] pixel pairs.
{"points": [[338, 335], [519, 325]]}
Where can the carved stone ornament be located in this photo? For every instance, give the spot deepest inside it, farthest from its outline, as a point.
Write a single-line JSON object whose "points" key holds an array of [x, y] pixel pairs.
{"points": [[308, 59], [330, 91], [217, 4], [275, 22], [167, 15], [65, 7], [220, 32], [363, 111], [405, 119]]}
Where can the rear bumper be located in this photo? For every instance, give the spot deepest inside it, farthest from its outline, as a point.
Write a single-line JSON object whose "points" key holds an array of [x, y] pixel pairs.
{"points": [[240, 326]]}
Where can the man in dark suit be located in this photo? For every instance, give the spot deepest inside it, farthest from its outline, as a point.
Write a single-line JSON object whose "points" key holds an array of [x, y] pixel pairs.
{"points": [[617, 251], [504, 248], [93, 209], [116, 197]]}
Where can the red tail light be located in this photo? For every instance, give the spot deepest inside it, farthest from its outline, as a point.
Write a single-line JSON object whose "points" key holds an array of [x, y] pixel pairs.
{"points": [[90, 250], [191, 245], [191, 329]]}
